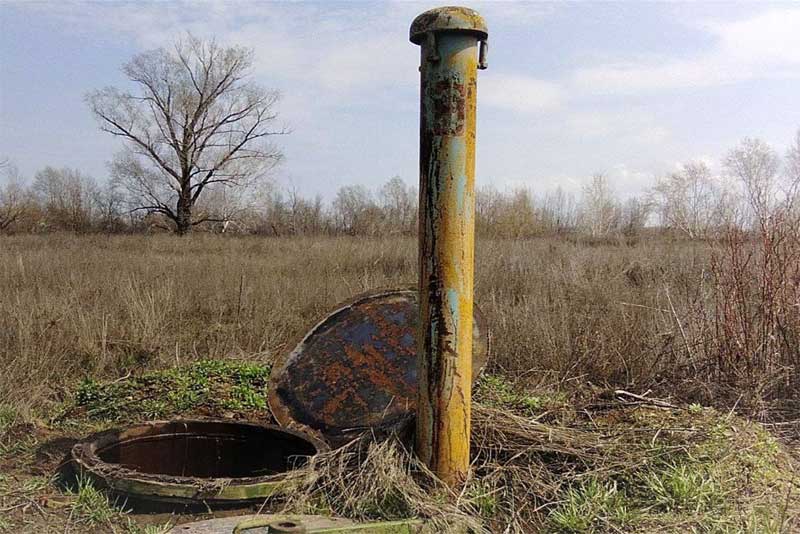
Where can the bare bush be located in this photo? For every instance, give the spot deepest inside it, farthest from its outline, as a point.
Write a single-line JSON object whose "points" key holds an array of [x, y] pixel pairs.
{"points": [[692, 201], [599, 209], [751, 336], [66, 197], [14, 199], [399, 204], [355, 211], [754, 165]]}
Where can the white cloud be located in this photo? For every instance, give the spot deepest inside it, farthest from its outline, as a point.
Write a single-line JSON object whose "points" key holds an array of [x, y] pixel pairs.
{"points": [[765, 45], [769, 39], [519, 93], [629, 181], [367, 62], [348, 67], [631, 128], [518, 14], [606, 123]]}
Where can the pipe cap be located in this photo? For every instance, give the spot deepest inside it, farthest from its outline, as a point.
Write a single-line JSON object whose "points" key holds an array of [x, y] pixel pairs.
{"points": [[448, 19]]}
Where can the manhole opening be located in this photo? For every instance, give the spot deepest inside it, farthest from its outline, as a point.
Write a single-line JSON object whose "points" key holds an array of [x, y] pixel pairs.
{"points": [[201, 449]]}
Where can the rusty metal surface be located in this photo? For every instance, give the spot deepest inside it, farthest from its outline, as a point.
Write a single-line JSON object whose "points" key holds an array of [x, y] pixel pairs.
{"points": [[450, 56], [357, 368], [450, 19]]}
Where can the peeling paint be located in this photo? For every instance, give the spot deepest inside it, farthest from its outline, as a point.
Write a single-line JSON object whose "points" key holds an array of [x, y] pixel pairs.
{"points": [[449, 39]]}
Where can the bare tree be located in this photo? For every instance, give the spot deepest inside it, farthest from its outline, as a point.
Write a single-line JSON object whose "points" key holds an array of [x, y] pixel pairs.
{"points": [[793, 176], [108, 203], [755, 165], [13, 197], [635, 214], [690, 200], [195, 120], [67, 197], [517, 216], [488, 205], [305, 216], [354, 210], [600, 212], [399, 204], [559, 211]]}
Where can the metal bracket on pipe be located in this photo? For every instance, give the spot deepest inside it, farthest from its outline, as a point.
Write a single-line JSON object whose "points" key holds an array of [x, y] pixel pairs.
{"points": [[483, 53], [433, 53]]}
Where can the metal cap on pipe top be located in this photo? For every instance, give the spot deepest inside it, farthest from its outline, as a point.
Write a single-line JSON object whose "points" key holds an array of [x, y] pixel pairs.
{"points": [[448, 19]]}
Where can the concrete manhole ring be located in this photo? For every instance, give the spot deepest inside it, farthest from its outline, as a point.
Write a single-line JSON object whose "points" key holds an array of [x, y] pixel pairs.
{"points": [[193, 461]]}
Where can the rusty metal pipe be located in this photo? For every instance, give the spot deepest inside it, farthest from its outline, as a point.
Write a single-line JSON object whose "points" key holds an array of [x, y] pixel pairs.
{"points": [[449, 38]]}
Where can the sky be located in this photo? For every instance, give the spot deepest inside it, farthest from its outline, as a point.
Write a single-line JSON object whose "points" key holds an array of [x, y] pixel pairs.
{"points": [[631, 89]]}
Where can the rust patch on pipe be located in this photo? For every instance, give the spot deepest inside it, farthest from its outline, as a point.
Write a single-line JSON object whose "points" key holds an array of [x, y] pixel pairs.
{"points": [[449, 110]]}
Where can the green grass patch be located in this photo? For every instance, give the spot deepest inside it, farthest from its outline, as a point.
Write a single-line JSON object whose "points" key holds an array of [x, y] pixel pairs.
{"points": [[592, 506], [91, 506], [684, 486], [691, 470], [8, 416], [498, 392], [208, 388]]}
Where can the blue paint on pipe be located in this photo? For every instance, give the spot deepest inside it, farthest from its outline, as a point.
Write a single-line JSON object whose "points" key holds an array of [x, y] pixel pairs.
{"points": [[453, 304]]}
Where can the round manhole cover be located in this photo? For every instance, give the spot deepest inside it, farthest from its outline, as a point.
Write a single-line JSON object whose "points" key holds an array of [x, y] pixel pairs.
{"points": [[357, 368]]}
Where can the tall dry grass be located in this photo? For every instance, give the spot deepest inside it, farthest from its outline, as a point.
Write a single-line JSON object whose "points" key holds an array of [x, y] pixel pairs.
{"points": [[106, 305], [562, 313]]}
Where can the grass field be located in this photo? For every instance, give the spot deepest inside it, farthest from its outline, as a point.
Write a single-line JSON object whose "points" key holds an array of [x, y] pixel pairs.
{"points": [[572, 322], [103, 306]]}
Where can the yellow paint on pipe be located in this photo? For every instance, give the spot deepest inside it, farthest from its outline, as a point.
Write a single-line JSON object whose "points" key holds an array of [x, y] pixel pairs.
{"points": [[449, 38]]}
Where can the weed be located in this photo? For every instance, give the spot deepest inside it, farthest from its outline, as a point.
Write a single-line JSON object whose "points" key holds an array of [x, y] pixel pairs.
{"points": [[133, 528], [35, 484], [8, 416], [484, 498], [682, 487], [562, 312], [91, 506], [245, 397], [591, 506], [497, 391], [208, 386]]}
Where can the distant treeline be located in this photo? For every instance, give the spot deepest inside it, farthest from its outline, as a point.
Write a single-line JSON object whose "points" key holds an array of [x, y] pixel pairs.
{"points": [[693, 202]]}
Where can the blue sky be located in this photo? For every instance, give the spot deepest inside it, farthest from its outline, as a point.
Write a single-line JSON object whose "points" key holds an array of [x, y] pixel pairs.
{"points": [[629, 89]]}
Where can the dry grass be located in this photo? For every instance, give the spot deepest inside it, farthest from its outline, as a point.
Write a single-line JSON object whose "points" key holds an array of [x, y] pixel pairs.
{"points": [[594, 462], [104, 306], [588, 469], [552, 449]]}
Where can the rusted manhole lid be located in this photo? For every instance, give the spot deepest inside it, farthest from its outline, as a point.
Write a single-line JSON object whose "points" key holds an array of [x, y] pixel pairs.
{"points": [[356, 369]]}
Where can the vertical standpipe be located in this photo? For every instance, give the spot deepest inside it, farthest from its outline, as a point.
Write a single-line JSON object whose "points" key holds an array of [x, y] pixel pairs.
{"points": [[453, 41]]}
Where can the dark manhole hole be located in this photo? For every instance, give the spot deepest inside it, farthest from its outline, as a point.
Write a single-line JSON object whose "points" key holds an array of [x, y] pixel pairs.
{"points": [[194, 461]]}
